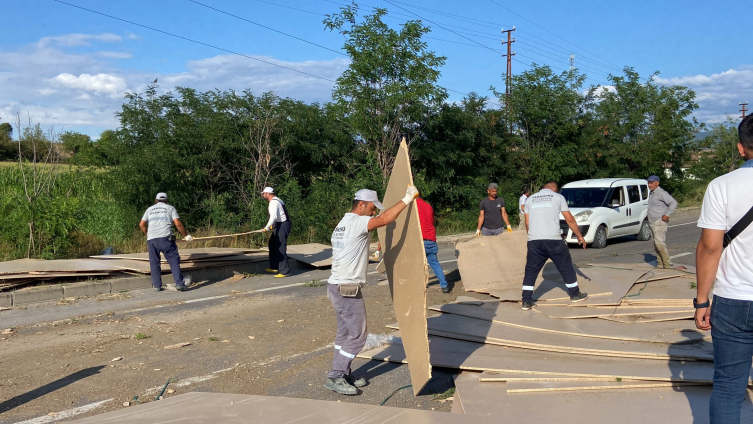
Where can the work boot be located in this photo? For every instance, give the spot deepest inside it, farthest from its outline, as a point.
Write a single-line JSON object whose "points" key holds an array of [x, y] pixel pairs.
{"points": [[340, 385], [181, 288], [352, 380], [579, 297], [271, 271], [446, 289], [158, 288], [528, 305]]}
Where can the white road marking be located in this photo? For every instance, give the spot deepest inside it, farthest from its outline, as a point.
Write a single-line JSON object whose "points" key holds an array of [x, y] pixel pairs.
{"points": [[70, 413], [277, 287], [679, 255], [203, 299], [680, 225]]}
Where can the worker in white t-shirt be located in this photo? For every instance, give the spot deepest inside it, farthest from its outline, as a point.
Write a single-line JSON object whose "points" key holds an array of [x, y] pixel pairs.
{"points": [[522, 209], [350, 257], [723, 260], [279, 224]]}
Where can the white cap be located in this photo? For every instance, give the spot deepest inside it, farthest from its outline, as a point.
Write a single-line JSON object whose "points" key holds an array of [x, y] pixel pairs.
{"points": [[369, 196], [268, 190], [161, 196]]}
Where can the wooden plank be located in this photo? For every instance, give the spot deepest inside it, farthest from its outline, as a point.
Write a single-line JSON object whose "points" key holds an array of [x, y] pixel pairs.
{"points": [[470, 329], [202, 407], [407, 271], [210, 238], [469, 356], [519, 387], [491, 376], [616, 311], [314, 254], [510, 314], [647, 406]]}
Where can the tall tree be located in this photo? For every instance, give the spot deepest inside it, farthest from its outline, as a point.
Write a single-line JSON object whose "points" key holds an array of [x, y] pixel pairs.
{"points": [[390, 87]]}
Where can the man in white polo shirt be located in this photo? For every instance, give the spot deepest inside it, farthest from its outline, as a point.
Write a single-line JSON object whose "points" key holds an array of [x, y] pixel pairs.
{"points": [[280, 225], [350, 258], [725, 255]]}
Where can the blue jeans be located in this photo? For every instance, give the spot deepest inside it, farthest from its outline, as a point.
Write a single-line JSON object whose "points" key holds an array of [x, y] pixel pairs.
{"points": [[431, 249], [732, 336]]}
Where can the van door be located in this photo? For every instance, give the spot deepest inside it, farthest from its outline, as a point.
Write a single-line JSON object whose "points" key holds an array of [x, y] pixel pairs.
{"points": [[618, 217], [634, 209], [644, 201]]}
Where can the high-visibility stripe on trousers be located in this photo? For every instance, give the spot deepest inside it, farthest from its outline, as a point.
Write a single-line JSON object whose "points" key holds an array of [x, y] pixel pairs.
{"points": [[351, 330]]}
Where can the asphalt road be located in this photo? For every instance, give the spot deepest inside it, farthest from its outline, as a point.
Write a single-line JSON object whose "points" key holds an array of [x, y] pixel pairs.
{"points": [[58, 360]]}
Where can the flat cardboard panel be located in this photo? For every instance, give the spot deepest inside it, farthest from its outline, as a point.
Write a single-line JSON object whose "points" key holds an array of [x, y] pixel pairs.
{"points": [[469, 356], [647, 406], [406, 266], [615, 311], [314, 254], [510, 314], [495, 262], [224, 408], [550, 286]]}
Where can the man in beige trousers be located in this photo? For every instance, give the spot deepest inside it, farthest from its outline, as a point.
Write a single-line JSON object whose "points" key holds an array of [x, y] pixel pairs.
{"points": [[660, 206]]}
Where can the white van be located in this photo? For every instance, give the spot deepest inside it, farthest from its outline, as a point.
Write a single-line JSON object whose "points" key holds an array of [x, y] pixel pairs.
{"points": [[606, 208]]}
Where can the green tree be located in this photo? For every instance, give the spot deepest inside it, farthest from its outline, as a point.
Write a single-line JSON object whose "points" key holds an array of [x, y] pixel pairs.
{"points": [[390, 87], [718, 153]]}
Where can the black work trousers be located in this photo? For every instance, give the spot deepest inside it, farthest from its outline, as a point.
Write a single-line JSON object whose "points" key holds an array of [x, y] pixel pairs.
{"points": [[539, 251], [278, 247]]}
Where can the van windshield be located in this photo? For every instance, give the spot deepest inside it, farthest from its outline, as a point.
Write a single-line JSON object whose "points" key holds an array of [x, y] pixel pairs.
{"points": [[585, 197]]}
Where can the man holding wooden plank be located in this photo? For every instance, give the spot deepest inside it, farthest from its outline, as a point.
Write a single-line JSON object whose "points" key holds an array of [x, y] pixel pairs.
{"points": [[350, 259], [160, 239]]}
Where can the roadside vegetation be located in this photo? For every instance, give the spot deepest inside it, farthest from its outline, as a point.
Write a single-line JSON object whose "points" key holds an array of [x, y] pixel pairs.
{"points": [[65, 195]]}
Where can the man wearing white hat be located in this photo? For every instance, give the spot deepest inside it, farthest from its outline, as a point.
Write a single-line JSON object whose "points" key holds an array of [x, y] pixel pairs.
{"points": [[350, 259], [160, 239], [279, 224]]}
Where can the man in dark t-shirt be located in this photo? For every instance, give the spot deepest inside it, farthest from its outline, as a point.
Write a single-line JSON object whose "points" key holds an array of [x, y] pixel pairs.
{"points": [[492, 214]]}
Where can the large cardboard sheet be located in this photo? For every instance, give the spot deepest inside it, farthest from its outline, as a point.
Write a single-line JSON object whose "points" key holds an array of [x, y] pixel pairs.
{"points": [[470, 356], [225, 408], [510, 314], [496, 262], [314, 254], [406, 266], [647, 406]]}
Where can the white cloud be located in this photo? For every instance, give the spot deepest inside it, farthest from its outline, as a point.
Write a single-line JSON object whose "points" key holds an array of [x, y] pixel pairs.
{"points": [[58, 85], [107, 84], [72, 40], [717, 94]]}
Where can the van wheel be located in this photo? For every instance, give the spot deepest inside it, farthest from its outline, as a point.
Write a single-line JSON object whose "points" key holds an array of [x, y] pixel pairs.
{"points": [[645, 233], [600, 238]]}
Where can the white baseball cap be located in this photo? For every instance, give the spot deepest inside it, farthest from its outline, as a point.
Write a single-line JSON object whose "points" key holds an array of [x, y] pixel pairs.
{"points": [[369, 196], [268, 190], [161, 196]]}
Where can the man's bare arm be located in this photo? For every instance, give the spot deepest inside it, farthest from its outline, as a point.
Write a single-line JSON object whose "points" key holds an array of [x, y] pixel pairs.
{"points": [[480, 220], [574, 227], [386, 217], [707, 256], [504, 217], [179, 226], [142, 225]]}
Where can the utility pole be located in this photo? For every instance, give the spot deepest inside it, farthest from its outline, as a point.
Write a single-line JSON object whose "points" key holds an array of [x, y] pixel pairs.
{"points": [[508, 74], [743, 109], [572, 61]]}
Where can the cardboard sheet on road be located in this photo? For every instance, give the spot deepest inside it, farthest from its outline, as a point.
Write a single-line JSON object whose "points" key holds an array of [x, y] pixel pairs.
{"points": [[225, 408], [558, 312], [406, 267], [510, 314], [471, 329], [470, 356], [525, 387], [205, 254], [550, 286], [495, 262], [25, 266], [314, 254], [649, 406], [651, 318]]}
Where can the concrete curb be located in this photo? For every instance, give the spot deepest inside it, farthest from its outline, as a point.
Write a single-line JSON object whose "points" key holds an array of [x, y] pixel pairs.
{"points": [[89, 288], [38, 294], [6, 299]]}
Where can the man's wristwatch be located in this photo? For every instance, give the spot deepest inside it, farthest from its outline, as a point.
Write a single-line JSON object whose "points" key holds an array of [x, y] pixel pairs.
{"points": [[705, 304]]}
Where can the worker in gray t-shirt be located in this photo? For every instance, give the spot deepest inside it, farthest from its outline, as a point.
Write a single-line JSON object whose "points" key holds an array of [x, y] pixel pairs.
{"points": [[542, 216], [492, 214], [157, 224]]}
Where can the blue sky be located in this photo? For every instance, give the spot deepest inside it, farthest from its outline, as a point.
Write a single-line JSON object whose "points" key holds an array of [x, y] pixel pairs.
{"points": [[70, 68]]}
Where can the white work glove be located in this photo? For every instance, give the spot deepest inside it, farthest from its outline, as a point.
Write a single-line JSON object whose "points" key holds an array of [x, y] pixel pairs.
{"points": [[264, 230], [509, 229], [410, 194], [377, 255], [478, 233], [188, 238]]}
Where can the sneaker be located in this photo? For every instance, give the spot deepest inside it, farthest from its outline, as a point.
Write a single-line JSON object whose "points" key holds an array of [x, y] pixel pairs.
{"points": [[446, 289], [160, 288], [352, 380], [340, 385], [528, 305], [181, 288], [281, 275], [578, 297], [271, 271]]}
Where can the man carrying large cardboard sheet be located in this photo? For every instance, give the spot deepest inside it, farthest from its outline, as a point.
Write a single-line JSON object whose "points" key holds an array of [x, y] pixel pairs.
{"points": [[542, 214], [350, 259]]}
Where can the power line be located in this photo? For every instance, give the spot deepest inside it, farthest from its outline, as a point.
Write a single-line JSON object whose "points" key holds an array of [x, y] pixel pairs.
{"points": [[192, 40], [266, 27], [534, 23]]}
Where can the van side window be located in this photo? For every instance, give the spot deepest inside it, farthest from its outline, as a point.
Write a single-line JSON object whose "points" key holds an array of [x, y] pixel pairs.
{"points": [[644, 192], [633, 194], [618, 197]]}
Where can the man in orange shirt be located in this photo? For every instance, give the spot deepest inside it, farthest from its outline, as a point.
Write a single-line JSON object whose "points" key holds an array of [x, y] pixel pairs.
{"points": [[429, 233]]}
